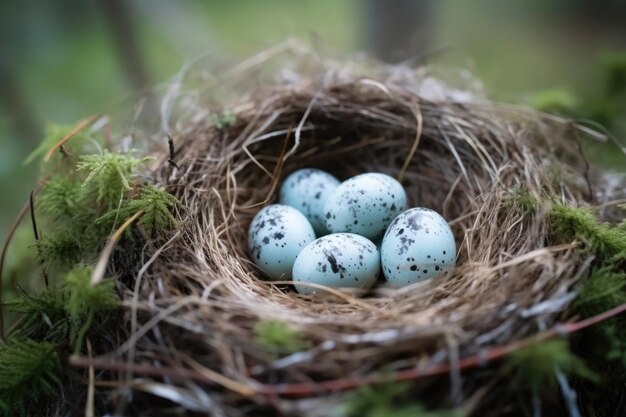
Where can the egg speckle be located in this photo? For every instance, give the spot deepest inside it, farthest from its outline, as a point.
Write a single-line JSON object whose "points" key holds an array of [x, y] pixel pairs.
{"points": [[276, 236], [340, 260], [417, 245], [307, 190], [365, 204]]}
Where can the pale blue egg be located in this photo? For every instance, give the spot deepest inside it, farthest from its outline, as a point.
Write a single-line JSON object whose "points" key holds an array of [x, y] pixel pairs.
{"points": [[339, 260], [307, 190], [365, 205], [276, 236], [418, 245]]}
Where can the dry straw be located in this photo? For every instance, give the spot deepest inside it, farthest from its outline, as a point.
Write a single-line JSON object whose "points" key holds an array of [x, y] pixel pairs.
{"points": [[197, 300]]}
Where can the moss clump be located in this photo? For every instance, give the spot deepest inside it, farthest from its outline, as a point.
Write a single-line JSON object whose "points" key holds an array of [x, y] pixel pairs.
{"points": [[83, 199], [110, 174], [278, 337], [60, 251], [521, 201], [567, 224], [44, 315], [60, 198], [603, 290], [156, 205], [557, 100], [391, 399], [85, 300], [535, 365], [224, 119], [29, 372], [53, 314]]}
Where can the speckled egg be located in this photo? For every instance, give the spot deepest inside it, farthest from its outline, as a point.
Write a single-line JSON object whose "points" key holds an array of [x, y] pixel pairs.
{"points": [[417, 245], [276, 236], [340, 260], [364, 205], [307, 190]]}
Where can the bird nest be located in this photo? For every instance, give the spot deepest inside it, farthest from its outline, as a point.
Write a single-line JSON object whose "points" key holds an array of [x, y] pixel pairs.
{"points": [[201, 314]]}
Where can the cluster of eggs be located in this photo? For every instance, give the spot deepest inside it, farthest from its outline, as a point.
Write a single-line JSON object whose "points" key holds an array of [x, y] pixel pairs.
{"points": [[322, 234]]}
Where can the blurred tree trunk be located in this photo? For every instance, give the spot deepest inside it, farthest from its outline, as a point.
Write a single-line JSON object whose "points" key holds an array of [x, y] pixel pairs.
{"points": [[122, 27], [398, 29]]}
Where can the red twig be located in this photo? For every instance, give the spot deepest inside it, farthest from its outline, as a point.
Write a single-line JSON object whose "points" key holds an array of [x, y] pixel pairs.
{"points": [[342, 384]]}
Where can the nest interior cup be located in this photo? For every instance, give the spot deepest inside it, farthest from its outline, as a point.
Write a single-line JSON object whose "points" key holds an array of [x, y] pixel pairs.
{"points": [[466, 159]]}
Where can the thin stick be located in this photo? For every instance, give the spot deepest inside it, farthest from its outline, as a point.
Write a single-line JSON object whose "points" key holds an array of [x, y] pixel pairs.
{"points": [[80, 126], [100, 269], [89, 406], [342, 384], [416, 141], [36, 233], [586, 167], [32, 215], [243, 389], [205, 376], [277, 170], [170, 142], [5, 249]]}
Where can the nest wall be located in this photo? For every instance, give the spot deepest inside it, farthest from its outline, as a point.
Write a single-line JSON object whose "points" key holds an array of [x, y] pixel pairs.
{"points": [[199, 295]]}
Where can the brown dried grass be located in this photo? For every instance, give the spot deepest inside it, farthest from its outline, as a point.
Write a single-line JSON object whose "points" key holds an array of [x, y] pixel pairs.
{"points": [[197, 297]]}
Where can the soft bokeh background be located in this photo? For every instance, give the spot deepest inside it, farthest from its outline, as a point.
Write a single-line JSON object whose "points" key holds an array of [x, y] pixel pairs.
{"points": [[62, 60]]}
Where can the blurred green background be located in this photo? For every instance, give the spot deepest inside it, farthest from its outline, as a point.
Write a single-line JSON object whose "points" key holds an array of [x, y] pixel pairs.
{"points": [[63, 60]]}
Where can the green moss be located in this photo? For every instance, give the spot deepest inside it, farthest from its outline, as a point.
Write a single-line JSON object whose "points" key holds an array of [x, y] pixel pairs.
{"points": [[601, 291], [278, 337], [156, 204], [614, 71], [44, 315], [535, 365], [391, 399], [85, 297], [557, 100], [85, 301], [55, 321], [567, 224], [62, 250], [224, 119], [60, 198], [29, 372], [521, 201], [110, 174]]}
